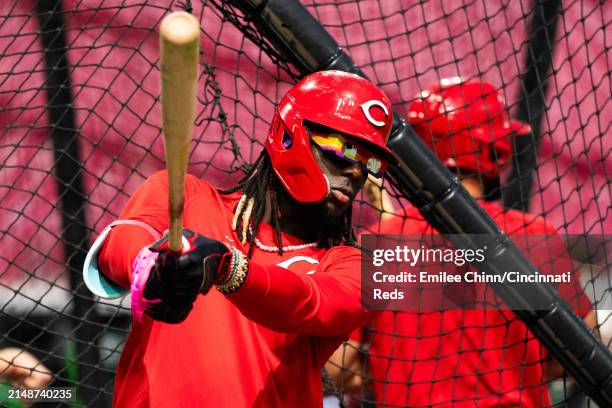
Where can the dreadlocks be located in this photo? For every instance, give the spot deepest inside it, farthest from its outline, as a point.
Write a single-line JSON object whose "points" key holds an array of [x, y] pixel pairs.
{"points": [[260, 181]]}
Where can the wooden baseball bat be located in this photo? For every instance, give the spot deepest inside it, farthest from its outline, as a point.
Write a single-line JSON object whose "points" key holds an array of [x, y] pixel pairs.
{"points": [[179, 35]]}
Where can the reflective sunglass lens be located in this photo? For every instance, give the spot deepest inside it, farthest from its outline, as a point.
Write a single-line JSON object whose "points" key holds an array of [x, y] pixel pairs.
{"points": [[374, 165], [349, 150]]}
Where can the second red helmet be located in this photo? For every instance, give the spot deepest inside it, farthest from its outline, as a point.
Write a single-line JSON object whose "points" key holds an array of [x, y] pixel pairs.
{"points": [[341, 101], [467, 125]]}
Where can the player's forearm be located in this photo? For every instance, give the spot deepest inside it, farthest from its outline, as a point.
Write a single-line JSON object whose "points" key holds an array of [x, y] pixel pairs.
{"points": [[148, 208], [314, 305], [119, 251], [345, 367]]}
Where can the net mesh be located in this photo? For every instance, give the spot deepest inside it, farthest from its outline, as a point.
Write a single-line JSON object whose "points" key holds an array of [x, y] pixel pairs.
{"points": [[58, 174]]}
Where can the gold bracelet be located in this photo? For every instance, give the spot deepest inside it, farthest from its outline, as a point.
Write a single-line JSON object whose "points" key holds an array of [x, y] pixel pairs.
{"points": [[240, 270]]}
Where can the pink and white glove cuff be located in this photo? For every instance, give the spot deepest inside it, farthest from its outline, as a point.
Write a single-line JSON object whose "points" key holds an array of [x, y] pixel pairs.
{"points": [[141, 268]]}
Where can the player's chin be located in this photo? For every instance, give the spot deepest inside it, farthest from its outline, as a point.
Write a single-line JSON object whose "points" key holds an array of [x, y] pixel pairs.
{"points": [[335, 210]]}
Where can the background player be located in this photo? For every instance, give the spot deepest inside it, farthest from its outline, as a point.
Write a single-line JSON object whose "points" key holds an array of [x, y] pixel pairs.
{"points": [[459, 358], [278, 247]]}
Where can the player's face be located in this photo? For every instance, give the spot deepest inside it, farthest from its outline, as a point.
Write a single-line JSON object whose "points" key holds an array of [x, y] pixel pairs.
{"points": [[345, 181]]}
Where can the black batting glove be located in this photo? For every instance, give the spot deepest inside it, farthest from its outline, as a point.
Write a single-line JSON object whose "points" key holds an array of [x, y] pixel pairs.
{"points": [[176, 279]]}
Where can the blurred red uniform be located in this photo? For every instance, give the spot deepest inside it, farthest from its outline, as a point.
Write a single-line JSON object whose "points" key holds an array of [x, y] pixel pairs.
{"points": [[464, 358]]}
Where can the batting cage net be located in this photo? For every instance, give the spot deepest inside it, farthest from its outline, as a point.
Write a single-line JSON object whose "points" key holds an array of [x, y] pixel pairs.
{"points": [[80, 129]]}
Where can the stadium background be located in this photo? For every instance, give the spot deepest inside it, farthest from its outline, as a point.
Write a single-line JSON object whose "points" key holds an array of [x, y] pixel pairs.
{"points": [[77, 135]]}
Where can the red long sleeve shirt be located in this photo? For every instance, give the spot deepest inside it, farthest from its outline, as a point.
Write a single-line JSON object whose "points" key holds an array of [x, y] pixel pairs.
{"points": [[263, 346], [463, 358]]}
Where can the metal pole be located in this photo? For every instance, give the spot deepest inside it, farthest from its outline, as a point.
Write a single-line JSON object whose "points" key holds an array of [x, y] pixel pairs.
{"points": [[532, 103], [71, 193]]}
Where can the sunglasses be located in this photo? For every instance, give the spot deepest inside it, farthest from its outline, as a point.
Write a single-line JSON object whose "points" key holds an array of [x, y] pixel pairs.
{"points": [[350, 152]]}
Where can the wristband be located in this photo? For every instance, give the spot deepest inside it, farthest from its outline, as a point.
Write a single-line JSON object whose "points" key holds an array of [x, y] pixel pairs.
{"points": [[239, 269], [142, 266], [226, 267]]}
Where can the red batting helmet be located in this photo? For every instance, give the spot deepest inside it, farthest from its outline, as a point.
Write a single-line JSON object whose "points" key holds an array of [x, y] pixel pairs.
{"points": [[344, 102], [467, 125]]}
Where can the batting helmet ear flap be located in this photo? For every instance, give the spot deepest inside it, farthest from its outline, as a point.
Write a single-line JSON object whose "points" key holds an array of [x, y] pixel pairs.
{"points": [[293, 161]]}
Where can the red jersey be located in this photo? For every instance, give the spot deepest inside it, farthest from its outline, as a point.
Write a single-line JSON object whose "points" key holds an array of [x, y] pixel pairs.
{"points": [[262, 346], [461, 358]]}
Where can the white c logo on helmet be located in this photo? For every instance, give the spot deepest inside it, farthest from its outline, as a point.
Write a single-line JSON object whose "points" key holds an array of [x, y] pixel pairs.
{"points": [[366, 106]]}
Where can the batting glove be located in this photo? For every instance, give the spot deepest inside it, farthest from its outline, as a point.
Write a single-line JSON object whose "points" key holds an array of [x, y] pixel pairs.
{"points": [[165, 284]]}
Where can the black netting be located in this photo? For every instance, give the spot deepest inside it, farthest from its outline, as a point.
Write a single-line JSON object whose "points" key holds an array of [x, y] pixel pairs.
{"points": [[80, 129]]}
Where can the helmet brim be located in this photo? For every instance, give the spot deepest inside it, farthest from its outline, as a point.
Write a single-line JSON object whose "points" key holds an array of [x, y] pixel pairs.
{"points": [[515, 128]]}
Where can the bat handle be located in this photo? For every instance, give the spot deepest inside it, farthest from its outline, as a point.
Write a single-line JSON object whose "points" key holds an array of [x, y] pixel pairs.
{"points": [[175, 235]]}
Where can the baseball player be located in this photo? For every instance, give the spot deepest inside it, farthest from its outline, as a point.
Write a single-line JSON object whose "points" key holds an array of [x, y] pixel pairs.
{"points": [[460, 358], [267, 285]]}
